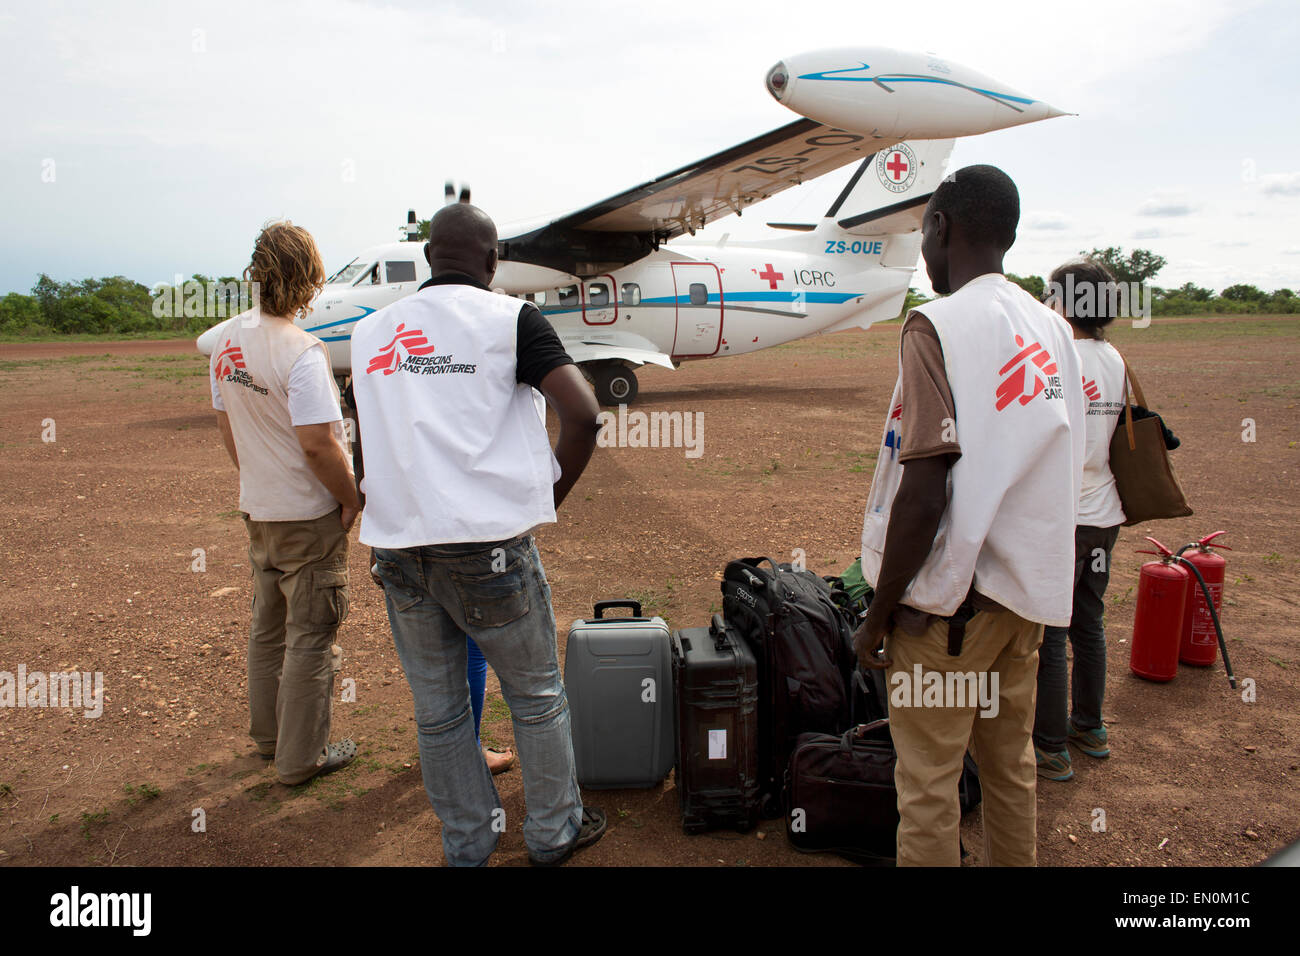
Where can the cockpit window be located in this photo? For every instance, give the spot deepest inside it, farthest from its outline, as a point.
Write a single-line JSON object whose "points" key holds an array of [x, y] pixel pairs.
{"points": [[369, 275], [347, 273], [400, 271]]}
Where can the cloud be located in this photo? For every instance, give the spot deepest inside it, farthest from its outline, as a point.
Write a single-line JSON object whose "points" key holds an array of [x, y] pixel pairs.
{"points": [[1280, 184], [1166, 206], [1293, 251], [1048, 221]]}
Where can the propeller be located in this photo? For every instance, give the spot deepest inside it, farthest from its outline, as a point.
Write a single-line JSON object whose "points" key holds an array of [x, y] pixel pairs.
{"points": [[449, 193]]}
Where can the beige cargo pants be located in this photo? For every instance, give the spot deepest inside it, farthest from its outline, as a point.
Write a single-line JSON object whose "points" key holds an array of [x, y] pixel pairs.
{"points": [[300, 597], [932, 738]]}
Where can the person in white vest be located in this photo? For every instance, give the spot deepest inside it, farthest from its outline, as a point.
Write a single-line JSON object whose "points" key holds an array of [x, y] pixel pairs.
{"points": [[968, 537], [278, 411], [458, 473], [1083, 292]]}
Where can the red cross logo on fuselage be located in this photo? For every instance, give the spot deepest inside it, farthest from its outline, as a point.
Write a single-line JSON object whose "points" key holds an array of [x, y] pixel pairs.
{"points": [[771, 275], [897, 165]]}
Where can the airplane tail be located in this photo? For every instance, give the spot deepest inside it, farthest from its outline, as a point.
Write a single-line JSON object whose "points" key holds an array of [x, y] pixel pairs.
{"points": [[888, 191]]}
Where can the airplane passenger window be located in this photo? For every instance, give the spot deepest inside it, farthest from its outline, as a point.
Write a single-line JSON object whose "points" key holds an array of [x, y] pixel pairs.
{"points": [[598, 294], [569, 295], [402, 271], [537, 298], [631, 293], [699, 294]]}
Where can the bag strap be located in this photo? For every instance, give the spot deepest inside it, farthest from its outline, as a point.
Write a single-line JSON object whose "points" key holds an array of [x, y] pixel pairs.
{"points": [[1131, 383]]}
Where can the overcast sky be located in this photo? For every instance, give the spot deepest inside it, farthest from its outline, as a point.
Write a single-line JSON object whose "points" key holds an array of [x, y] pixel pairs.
{"points": [[172, 130]]}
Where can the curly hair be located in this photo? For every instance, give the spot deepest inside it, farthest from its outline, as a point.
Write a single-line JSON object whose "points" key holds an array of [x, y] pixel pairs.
{"points": [[287, 268]]}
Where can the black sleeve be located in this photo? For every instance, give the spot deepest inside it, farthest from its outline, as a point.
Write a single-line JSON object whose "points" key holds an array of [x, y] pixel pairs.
{"points": [[538, 350]]}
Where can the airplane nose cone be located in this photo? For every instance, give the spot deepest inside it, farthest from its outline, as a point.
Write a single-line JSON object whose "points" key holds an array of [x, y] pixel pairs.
{"points": [[778, 81]]}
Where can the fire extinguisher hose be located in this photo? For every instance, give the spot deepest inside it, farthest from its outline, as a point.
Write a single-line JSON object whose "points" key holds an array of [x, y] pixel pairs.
{"points": [[1214, 616]]}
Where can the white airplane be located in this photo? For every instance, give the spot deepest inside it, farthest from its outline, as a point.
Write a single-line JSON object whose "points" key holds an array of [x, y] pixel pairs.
{"points": [[623, 288]]}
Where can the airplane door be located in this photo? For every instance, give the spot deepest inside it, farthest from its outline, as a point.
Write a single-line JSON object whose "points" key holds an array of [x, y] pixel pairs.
{"points": [[698, 290]]}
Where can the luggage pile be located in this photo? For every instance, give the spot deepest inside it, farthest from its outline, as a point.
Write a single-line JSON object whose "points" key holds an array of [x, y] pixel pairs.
{"points": [[763, 713]]}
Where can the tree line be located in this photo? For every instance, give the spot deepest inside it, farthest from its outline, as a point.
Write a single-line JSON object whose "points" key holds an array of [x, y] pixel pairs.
{"points": [[1141, 266], [117, 305]]}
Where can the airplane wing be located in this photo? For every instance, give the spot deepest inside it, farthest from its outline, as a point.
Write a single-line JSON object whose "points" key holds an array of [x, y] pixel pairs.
{"points": [[623, 228]]}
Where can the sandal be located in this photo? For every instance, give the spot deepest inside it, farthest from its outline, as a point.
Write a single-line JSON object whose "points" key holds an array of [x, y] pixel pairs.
{"points": [[592, 829], [337, 756]]}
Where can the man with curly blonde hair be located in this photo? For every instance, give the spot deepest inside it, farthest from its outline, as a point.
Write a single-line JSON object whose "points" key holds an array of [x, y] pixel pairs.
{"points": [[278, 411]]}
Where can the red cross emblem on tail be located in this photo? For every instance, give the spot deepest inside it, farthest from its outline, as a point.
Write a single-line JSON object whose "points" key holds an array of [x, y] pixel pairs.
{"points": [[389, 359], [229, 359], [1012, 386]]}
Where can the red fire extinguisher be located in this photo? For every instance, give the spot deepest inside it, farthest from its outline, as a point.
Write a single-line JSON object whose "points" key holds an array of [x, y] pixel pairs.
{"points": [[1158, 621], [1199, 644]]}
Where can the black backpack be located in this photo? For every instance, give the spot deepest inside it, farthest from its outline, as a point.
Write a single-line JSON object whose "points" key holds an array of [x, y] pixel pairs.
{"points": [[802, 642]]}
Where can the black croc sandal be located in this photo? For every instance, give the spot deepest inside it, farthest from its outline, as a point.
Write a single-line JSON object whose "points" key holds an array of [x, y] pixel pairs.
{"points": [[591, 830]]}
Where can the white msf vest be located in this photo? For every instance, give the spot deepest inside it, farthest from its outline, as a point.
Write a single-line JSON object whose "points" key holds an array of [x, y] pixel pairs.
{"points": [[454, 449], [1014, 492], [251, 364]]}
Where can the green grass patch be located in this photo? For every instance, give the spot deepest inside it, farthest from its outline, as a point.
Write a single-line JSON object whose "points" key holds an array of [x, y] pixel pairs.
{"points": [[145, 791], [89, 821]]}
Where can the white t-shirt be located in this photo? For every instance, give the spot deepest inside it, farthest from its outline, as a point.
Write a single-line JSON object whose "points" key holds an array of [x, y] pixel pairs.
{"points": [[1103, 390], [311, 395]]}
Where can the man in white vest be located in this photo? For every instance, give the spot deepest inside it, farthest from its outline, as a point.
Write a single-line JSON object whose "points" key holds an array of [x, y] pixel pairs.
{"points": [[968, 537], [459, 471], [278, 411]]}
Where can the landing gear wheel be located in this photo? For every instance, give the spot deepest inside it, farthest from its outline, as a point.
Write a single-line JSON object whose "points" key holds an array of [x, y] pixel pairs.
{"points": [[614, 384]]}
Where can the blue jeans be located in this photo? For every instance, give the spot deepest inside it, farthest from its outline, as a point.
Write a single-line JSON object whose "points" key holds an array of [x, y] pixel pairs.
{"points": [[496, 594]]}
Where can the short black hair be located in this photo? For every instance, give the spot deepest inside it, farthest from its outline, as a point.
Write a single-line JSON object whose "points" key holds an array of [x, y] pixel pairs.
{"points": [[982, 202], [1087, 291]]}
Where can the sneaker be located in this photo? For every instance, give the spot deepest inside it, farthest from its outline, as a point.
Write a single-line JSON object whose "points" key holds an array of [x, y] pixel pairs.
{"points": [[1054, 766], [592, 829], [1092, 742]]}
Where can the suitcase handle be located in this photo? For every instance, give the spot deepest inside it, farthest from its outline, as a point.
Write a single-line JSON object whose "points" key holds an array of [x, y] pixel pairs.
{"points": [[600, 607], [861, 730], [718, 630]]}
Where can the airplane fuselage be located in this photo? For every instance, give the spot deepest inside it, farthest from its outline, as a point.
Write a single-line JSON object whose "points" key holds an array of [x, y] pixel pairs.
{"points": [[686, 301]]}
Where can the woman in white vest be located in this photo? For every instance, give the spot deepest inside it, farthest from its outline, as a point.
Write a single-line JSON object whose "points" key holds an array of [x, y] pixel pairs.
{"points": [[278, 411], [1083, 291]]}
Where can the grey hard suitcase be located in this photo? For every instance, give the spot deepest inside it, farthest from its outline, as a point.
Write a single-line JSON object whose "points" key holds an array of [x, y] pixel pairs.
{"points": [[618, 678]]}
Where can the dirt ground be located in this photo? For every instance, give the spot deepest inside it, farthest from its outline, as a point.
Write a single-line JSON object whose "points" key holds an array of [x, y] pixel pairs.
{"points": [[100, 526]]}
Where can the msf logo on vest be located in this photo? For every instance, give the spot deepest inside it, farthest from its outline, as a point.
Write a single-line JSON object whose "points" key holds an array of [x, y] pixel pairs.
{"points": [[410, 351], [1030, 372], [230, 366]]}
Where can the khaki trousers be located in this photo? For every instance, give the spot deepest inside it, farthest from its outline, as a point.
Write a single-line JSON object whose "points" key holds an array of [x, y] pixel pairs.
{"points": [[931, 740], [300, 597]]}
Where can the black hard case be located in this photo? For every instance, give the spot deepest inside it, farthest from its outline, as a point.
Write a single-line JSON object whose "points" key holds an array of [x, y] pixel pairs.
{"points": [[715, 680]]}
